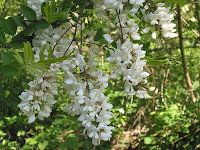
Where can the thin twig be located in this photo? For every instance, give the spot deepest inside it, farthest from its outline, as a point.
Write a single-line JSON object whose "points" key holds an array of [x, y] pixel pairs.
{"points": [[154, 93], [120, 24], [187, 24], [85, 72], [148, 69], [76, 27], [61, 37]]}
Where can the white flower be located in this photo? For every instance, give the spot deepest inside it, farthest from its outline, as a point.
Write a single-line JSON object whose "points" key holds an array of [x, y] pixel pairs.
{"points": [[152, 88], [121, 110], [71, 78], [154, 34], [32, 117], [143, 94], [146, 30], [108, 38]]}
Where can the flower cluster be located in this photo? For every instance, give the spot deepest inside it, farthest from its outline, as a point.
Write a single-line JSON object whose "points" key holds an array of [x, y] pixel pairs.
{"points": [[49, 37], [43, 89], [40, 97], [127, 55], [162, 18], [88, 100], [136, 5]]}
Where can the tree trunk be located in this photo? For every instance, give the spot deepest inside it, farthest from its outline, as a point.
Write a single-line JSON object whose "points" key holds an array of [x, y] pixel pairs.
{"points": [[186, 73], [198, 18]]}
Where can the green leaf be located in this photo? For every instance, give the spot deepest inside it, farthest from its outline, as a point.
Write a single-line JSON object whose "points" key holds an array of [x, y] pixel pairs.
{"points": [[42, 8], [19, 21], [146, 46], [28, 12], [72, 143], [50, 52], [63, 145], [99, 35], [5, 58], [33, 71], [8, 70], [152, 29], [40, 66], [50, 61], [156, 62], [31, 141], [63, 15], [2, 134], [52, 14], [16, 44], [11, 26], [18, 40], [13, 145], [41, 54], [161, 58], [30, 29], [21, 133], [103, 41], [43, 24], [149, 140], [2, 20], [2, 37], [28, 53], [195, 85], [43, 145], [180, 2], [18, 57], [3, 26]]}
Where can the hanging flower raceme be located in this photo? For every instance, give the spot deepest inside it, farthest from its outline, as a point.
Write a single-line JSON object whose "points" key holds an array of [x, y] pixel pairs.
{"points": [[40, 97], [162, 18]]}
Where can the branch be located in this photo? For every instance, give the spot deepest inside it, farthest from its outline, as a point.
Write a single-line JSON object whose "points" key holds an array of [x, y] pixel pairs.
{"points": [[120, 24], [186, 73], [75, 25], [61, 37], [187, 24], [198, 18], [85, 72]]}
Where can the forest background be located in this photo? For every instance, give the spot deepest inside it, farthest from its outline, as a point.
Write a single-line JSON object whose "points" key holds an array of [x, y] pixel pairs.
{"points": [[169, 120]]}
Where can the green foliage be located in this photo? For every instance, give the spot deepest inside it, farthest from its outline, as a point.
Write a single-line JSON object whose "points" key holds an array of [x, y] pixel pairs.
{"points": [[19, 21], [156, 61], [28, 12], [2, 38], [179, 2], [99, 35], [8, 64], [30, 29], [10, 26], [51, 13], [43, 24]]}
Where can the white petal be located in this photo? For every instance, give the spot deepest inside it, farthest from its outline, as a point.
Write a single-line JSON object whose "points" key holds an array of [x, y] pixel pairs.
{"points": [[31, 118]]}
